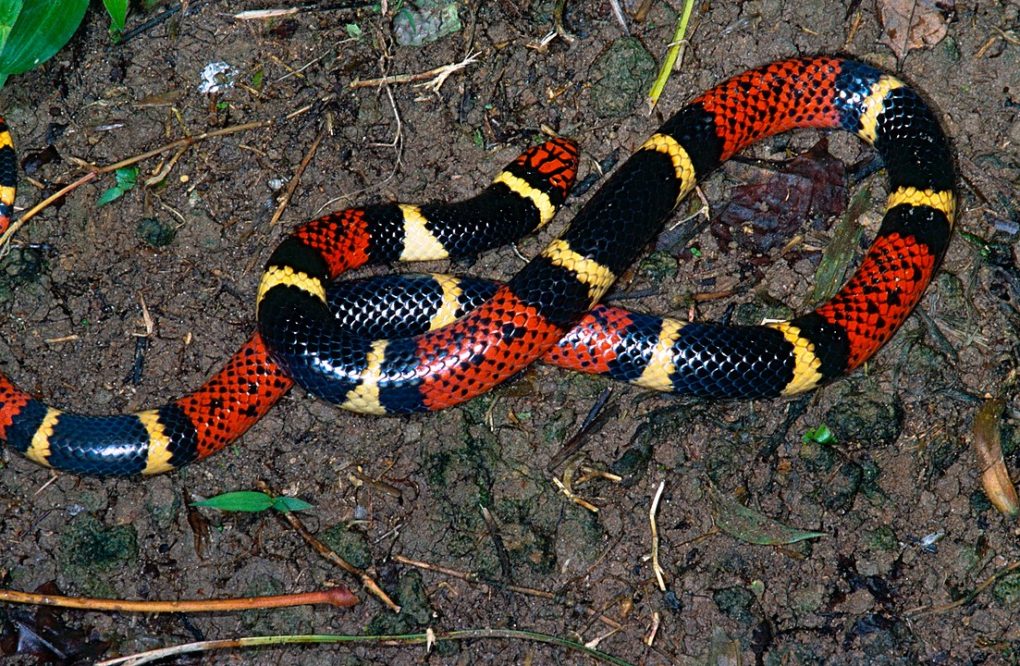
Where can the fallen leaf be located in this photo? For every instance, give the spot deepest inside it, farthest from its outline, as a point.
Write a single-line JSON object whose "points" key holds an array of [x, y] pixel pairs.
{"points": [[762, 215], [723, 650], [839, 253], [913, 24], [748, 525], [987, 444]]}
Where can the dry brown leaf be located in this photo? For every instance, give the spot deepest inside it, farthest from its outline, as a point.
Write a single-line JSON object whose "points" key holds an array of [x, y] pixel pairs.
{"points": [[986, 441], [761, 215], [912, 24]]}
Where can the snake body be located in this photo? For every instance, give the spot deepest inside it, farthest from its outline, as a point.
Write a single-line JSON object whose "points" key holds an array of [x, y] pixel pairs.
{"points": [[526, 318], [447, 346]]}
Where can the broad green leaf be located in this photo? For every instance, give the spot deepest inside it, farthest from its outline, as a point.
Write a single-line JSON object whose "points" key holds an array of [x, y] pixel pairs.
{"points": [[748, 525], [285, 504], [117, 9], [110, 195], [42, 28], [240, 500], [9, 10]]}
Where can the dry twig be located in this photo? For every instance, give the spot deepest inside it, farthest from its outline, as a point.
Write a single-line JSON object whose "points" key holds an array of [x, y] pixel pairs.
{"points": [[295, 179], [323, 550], [340, 597], [655, 538], [433, 79], [98, 171]]}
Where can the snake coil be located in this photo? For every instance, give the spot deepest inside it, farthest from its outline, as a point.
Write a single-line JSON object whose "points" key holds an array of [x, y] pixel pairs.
{"points": [[452, 339]]}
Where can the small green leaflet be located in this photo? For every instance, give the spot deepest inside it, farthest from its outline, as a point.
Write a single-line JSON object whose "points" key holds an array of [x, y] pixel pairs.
{"points": [[283, 504], [127, 178], [353, 30], [819, 435], [251, 501]]}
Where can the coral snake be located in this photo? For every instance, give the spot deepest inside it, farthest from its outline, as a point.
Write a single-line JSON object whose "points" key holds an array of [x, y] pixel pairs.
{"points": [[457, 339]]}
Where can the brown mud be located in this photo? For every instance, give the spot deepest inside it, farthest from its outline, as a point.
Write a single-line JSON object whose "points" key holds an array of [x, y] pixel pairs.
{"points": [[907, 529]]}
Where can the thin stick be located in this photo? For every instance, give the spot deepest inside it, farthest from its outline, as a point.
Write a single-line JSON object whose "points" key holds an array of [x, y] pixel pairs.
{"points": [[95, 172], [574, 497], [473, 578], [328, 554], [655, 537], [394, 639], [165, 170], [654, 630], [340, 597], [65, 338], [34, 210], [185, 141], [706, 296], [297, 72], [418, 564], [296, 178], [439, 74], [263, 14], [618, 14], [967, 598], [497, 543]]}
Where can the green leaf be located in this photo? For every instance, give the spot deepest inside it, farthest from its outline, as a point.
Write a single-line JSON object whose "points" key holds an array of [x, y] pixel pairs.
{"points": [[110, 195], [285, 504], [353, 30], [748, 525], [117, 9], [9, 10], [819, 435], [252, 501], [240, 500], [42, 28], [126, 177]]}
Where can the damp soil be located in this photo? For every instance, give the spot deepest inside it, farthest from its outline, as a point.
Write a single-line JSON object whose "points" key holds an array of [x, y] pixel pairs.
{"points": [[908, 536]]}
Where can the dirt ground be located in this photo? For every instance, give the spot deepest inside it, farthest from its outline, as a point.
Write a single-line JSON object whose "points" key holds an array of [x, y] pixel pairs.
{"points": [[914, 562]]}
